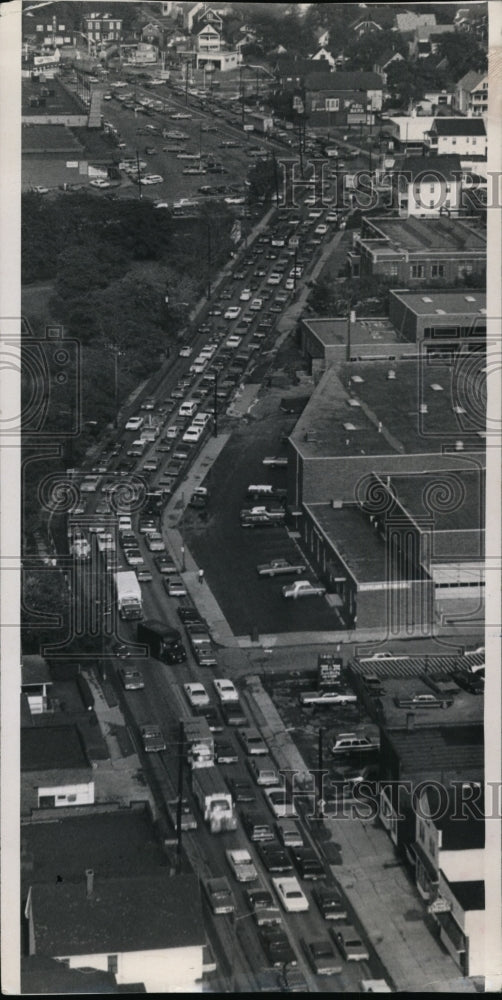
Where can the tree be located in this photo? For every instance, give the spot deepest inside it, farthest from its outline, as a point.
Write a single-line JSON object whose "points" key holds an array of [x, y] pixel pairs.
{"points": [[463, 53]]}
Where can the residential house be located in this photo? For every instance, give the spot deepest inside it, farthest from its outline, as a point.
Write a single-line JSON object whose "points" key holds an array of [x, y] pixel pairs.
{"points": [[55, 769], [408, 21], [342, 98], [410, 252], [50, 33], [463, 91], [478, 98], [145, 929], [208, 39], [324, 55], [433, 101], [101, 28], [427, 39], [464, 136], [291, 71], [384, 61], [429, 186], [373, 19]]}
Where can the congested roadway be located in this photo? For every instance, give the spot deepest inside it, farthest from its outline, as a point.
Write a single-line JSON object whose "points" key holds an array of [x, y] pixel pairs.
{"points": [[266, 276]]}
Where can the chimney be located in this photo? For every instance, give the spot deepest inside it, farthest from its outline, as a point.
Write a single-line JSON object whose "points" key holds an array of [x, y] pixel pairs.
{"points": [[410, 721], [89, 874]]}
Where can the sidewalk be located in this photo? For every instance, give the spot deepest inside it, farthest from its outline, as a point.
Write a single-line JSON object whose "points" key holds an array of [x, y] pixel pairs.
{"points": [[375, 883]]}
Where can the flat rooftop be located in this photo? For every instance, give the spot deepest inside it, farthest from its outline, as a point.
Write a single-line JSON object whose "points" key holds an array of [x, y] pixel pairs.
{"points": [[381, 416], [457, 751], [46, 748], [427, 235], [334, 332], [110, 843], [455, 501], [467, 709], [352, 534], [58, 100], [434, 303]]}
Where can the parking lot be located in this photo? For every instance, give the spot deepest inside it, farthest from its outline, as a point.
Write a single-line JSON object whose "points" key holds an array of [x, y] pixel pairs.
{"points": [[230, 554]]}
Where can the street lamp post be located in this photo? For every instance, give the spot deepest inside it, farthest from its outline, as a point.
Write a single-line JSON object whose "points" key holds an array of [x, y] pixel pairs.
{"points": [[215, 406]]}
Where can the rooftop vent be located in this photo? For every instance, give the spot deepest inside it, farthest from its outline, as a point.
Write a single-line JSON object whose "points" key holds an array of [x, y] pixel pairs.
{"points": [[437, 387], [353, 402], [459, 445], [458, 409], [483, 311], [424, 408], [349, 427], [441, 312], [391, 374], [469, 298], [356, 378], [425, 298]]}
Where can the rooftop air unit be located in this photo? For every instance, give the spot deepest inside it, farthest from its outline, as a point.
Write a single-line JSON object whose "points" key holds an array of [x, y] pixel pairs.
{"points": [[391, 374], [459, 445]]}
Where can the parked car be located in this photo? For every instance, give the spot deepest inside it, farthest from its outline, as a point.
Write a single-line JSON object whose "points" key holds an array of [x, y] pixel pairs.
{"points": [[242, 865], [290, 894], [188, 821], [219, 894], [280, 567], [330, 902], [349, 943], [242, 790], [419, 700], [307, 863], [151, 735], [322, 957], [225, 689], [303, 588], [252, 741], [225, 752], [277, 946], [274, 857], [196, 694], [281, 804]]}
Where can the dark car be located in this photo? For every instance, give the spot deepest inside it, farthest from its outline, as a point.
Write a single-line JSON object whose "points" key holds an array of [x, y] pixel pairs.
{"points": [[257, 827], [323, 958], [307, 863], [233, 713], [276, 945], [330, 902], [225, 753], [258, 899], [293, 980], [274, 858], [242, 790], [189, 614]]}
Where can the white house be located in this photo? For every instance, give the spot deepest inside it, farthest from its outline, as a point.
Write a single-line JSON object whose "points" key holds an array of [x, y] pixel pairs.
{"points": [[428, 187], [478, 98], [144, 929], [463, 90], [324, 53], [55, 769], [208, 39], [465, 136], [36, 683]]}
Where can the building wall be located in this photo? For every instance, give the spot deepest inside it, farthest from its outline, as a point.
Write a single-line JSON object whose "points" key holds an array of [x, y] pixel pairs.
{"points": [[473, 925], [429, 198], [168, 970], [37, 784], [412, 326], [436, 266], [463, 866], [462, 145]]}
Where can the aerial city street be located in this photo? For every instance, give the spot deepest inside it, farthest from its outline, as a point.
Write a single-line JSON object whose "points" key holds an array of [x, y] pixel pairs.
{"points": [[253, 471]]}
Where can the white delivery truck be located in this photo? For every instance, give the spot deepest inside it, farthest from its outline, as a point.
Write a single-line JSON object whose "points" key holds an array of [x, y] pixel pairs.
{"points": [[129, 598], [215, 800], [199, 742]]}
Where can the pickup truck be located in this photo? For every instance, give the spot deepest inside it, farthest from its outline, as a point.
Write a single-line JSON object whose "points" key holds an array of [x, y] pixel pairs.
{"points": [[328, 698], [280, 567], [303, 588]]}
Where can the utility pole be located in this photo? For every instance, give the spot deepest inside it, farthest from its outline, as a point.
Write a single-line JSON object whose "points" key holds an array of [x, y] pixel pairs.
{"points": [[294, 271], [208, 262], [179, 807], [140, 188], [186, 82]]}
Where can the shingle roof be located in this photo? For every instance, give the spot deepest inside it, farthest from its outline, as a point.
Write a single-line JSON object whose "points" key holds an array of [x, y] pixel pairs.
{"points": [[459, 126], [121, 915], [344, 81]]}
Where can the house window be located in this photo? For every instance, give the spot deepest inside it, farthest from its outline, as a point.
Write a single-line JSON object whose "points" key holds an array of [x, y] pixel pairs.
{"points": [[332, 104], [417, 270], [113, 964], [437, 270], [393, 270], [432, 203], [432, 188], [474, 142], [454, 142]]}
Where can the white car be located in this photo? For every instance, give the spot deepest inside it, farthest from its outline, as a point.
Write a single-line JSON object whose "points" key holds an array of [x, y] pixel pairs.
{"points": [[134, 423], [161, 204], [315, 213], [196, 694], [374, 986], [151, 179], [256, 305], [303, 588], [40, 189], [233, 341], [245, 295], [185, 352], [281, 804], [321, 230], [290, 894], [225, 689], [242, 865], [274, 278], [100, 183], [232, 312], [289, 284]]}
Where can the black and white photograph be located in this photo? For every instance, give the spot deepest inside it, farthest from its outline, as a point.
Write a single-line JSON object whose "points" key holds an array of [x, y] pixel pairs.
{"points": [[250, 526]]}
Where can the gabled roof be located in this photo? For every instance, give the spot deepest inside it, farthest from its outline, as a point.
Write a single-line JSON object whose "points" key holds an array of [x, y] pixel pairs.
{"points": [[125, 914], [459, 126], [469, 80], [344, 81]]}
